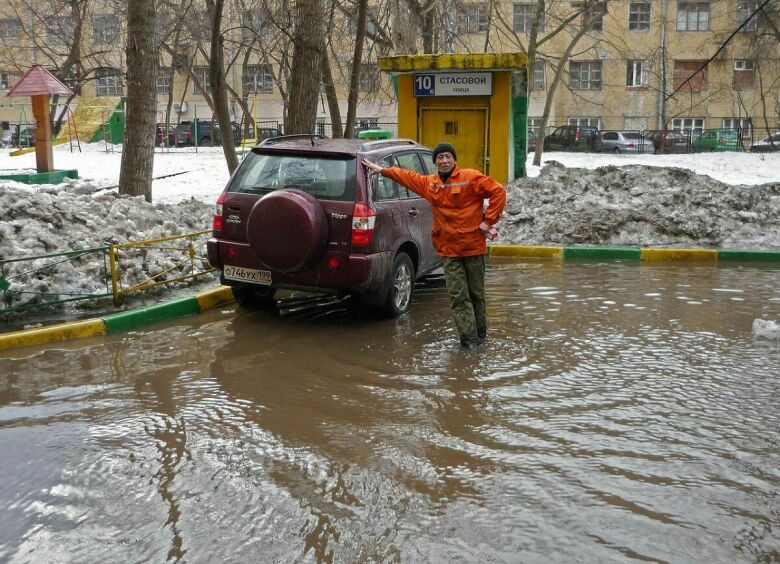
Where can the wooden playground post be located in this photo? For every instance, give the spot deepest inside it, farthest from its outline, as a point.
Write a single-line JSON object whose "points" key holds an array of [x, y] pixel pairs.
{"points": [[44, 157]]}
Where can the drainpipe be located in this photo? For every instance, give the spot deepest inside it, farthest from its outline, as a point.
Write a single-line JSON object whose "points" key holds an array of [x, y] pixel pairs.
{"points": [[662, 85]]}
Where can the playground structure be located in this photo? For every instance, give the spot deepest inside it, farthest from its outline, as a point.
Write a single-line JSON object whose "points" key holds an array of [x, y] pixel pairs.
{"points": [[39, 84]]}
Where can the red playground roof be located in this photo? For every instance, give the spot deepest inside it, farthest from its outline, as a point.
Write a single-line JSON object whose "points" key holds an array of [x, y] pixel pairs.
{"points": [[38, 81]]}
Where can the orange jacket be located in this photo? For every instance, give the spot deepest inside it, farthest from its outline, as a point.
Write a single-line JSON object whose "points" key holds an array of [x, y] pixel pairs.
{"points": [[457, 207]]}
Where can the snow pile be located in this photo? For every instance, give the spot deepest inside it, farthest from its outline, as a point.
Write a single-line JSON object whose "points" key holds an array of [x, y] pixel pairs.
{"points": [[74, 216], [766, 329], [640, 206]]}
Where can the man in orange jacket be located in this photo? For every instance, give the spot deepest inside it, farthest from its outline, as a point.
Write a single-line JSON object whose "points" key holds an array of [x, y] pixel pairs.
{"points": [[460, 226]]}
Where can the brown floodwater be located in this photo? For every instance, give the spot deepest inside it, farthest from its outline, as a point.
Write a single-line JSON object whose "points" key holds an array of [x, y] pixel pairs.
{"points": [[617, 412]]}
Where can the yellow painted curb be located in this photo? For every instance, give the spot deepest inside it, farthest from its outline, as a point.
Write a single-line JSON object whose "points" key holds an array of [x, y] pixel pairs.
{"points": [[526, 251], [53, 333], [212, 298], [679, 254]]}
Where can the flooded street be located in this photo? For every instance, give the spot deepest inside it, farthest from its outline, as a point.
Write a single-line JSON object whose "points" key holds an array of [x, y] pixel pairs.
{"points": [[617, 412]]}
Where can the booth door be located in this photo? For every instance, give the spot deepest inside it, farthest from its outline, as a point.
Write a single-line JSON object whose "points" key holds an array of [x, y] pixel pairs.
{"points": [[464, 128]]}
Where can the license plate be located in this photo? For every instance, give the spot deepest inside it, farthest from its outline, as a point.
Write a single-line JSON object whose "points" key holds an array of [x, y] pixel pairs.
{"points": [[248, 275]]}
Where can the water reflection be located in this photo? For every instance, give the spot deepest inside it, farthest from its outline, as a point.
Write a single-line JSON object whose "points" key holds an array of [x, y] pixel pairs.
{"points": [[616, 412]]}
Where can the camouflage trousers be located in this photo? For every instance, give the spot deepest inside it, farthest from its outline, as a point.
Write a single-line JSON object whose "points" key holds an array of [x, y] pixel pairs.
{"points": [[465, 277]]}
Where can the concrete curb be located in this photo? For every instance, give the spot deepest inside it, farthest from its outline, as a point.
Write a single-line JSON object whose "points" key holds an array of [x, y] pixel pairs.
{"points": [[645, 254], [117, 322]]}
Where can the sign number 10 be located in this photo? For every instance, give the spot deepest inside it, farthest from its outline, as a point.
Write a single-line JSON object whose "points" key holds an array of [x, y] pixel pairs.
{"points": [[424, 85], [424, 82]]}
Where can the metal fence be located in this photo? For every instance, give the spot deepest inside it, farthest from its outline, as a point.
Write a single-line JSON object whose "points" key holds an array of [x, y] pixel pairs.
{"points": [[57, 278], [656, 141]]}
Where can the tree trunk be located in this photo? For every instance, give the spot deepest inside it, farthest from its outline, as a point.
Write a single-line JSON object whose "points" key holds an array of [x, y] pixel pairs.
{"points": [[551, 93], [143, 61], [306, 68], [337, 132], [219, 94], [357, 64]]}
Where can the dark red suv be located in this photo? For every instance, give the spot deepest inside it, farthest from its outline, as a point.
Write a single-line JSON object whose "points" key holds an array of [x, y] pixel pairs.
{"points": [[301, 213]]}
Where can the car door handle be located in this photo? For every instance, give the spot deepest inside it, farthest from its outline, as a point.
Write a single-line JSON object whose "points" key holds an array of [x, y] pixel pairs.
{"points": [[413, 211]]}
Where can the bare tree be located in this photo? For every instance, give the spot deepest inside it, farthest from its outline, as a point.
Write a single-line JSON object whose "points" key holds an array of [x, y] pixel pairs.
{"points": [[135, 177], [219, 83], [306, 68]]}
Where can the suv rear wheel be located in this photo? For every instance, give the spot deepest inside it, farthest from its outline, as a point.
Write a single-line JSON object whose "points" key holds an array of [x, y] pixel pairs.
{"points": [[401, 286], [252, 296]]}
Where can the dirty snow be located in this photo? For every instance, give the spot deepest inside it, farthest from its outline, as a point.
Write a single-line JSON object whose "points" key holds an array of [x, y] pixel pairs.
{"points": [[736, 205], [766, 329]]}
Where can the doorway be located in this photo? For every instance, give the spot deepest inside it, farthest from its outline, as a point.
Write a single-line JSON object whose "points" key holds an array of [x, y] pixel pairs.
{"points": [[463, 128]]}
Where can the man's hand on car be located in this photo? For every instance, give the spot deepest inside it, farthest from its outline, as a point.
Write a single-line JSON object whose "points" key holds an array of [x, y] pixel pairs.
{"points": [[372, 167]]}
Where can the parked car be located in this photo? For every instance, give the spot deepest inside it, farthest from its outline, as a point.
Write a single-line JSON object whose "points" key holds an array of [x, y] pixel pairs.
{"points": [[531, 141], [770, 143], [267, 133], [165, 140], [625, 142], [668, 141], [573, 138], [208, 133], [717, 140], [301, 212]]}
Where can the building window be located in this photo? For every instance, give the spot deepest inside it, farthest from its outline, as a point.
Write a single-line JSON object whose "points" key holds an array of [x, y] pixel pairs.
{"points": [[744, 11], [369, 77], [533, 126], [584, 121], [201, 25], [59, 30], [592, 17], [693, 73], [164, 81], [473, 18], [693, 16], [371, 18], [108, 82], [743, 126], [5, 80], [70, 79], [253, 24], [639, 16], [744, 74], [688, 125], [105, 29], [202, 74], [538, 82], [523, 18], [585, 75], [637, 73], [258, 79], [10, 28]]}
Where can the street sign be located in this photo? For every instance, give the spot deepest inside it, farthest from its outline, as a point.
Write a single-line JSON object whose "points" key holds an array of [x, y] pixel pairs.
{"points": [[453, 84]]}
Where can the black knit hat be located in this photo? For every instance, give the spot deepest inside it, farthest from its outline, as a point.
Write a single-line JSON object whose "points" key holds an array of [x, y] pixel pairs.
{"points": [[444, 148]]}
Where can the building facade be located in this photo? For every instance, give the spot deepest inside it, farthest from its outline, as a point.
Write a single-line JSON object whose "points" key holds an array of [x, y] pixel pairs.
{"points": [[642, 65]]}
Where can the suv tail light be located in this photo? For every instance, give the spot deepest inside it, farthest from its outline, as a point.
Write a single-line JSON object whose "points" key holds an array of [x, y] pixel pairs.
{"points": [[577, 135], [217, 223], [363, 220]]}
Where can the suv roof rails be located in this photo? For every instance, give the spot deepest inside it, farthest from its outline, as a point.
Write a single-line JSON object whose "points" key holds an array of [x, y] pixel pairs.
{"points": [[370, 145], [280, 138]]}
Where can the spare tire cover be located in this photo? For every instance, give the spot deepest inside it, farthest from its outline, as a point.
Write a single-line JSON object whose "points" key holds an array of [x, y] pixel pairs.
{"points": [[288, 230]]}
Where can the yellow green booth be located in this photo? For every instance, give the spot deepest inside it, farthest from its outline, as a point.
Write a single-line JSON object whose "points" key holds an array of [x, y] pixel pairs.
{"points": [[478, 102]]}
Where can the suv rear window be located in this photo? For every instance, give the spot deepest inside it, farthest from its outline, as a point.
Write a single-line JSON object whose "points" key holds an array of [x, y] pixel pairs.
{"points": [[323, 178]]}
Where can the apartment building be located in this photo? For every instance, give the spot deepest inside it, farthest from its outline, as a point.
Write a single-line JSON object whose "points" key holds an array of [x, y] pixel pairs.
{"points": [[642, 64]]}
